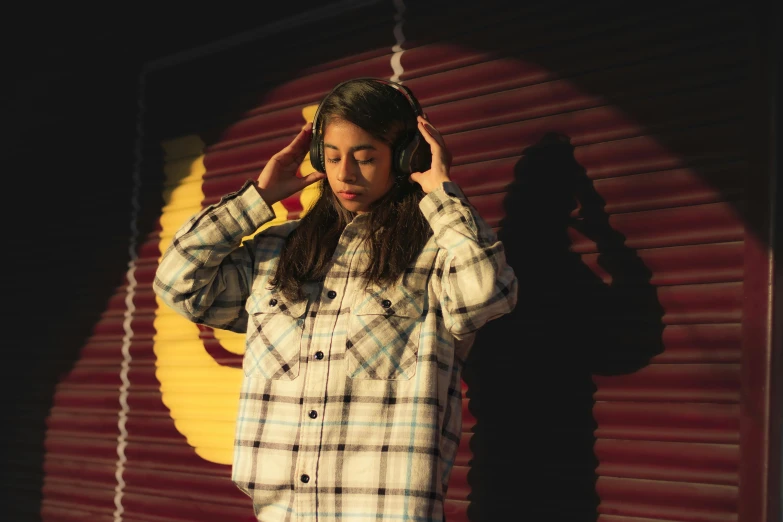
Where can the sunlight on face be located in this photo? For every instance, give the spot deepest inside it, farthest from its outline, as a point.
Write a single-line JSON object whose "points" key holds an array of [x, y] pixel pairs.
{"points": [[358, 166]]}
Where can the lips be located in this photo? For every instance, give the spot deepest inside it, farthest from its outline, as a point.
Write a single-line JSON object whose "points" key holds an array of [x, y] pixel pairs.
{"points": [[348, 195]]}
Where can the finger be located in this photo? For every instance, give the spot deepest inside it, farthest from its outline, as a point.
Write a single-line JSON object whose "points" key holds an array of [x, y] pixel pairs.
{"points": [[305, 133], [311, 178], [429, 127], [299, 147], [431, 137], [426, 120], [302, 140], [415, 177]]}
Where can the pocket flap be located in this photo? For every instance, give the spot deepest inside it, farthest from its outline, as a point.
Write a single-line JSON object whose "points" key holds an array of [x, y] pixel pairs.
{"points": [[272, 302], [397, 301]]}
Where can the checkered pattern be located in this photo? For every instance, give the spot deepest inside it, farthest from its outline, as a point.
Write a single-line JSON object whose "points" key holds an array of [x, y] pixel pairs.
{"points": [[351, 405]]}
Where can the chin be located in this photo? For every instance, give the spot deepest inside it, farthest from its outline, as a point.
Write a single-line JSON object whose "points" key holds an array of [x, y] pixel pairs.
{"points": [[353, 207]]}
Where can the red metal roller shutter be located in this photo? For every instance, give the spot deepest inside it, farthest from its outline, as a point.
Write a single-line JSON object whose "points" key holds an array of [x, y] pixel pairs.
{"points": [[649, 105]]}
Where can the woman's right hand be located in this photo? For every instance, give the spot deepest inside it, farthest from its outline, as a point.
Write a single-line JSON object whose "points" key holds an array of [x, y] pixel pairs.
{"points": [[278, 180]]}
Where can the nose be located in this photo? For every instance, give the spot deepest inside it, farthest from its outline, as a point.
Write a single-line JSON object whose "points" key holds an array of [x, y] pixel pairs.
{"points": [[346, 171]]}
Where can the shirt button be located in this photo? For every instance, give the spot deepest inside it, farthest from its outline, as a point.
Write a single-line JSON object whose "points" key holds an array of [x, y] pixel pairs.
{"points": [[305, 478], [386, 303], [272, 302], [331, 294], [313, 414], [319, 355]]}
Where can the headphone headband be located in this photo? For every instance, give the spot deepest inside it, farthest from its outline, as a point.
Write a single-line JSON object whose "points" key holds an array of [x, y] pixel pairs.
{"points": [[402, 89]]}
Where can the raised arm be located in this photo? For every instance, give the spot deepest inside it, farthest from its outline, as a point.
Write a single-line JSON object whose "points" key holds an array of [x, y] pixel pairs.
{"points": [[206, 274], [476, 283]]}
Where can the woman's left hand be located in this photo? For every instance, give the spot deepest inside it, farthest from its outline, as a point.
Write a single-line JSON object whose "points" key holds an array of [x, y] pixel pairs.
{"points": [[441, 159]]}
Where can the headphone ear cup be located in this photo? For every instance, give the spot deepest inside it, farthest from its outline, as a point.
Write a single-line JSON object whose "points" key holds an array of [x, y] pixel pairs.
{"points": [[316, 150], [421, 157], [415, 154], [407, 152]]}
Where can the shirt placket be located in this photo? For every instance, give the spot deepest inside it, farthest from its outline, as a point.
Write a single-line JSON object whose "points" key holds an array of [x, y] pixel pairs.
{"points": [[332, 295]]}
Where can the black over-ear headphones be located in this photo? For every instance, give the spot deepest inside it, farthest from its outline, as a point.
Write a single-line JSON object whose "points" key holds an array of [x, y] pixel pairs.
{"points": [[411, 153]]}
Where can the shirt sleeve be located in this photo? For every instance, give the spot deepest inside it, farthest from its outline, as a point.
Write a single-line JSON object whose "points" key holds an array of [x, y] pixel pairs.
{"points": [[206, 274], [477, 285]]}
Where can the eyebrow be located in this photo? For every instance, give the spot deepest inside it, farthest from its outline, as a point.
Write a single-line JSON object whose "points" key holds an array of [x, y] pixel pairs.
{"points": [[353, 149]]}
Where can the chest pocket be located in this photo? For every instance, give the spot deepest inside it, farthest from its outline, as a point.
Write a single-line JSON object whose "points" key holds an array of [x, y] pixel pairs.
{"points": [[274, 337], [383, 334]]}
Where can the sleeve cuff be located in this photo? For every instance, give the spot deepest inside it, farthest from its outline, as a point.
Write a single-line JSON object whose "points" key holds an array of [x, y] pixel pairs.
{"points": [[248, 206], [245, 207], [444, 198], [445, 201]]}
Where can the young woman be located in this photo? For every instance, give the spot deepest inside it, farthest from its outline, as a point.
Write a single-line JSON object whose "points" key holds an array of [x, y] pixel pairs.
{"points": [[358, 316]]}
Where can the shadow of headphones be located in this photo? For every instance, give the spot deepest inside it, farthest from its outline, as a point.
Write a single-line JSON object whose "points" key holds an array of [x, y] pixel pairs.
{"points": [[410, 153]]}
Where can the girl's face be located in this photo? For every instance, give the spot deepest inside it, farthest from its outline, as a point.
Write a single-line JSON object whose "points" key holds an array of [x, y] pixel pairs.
{"points": [[358, 166]]}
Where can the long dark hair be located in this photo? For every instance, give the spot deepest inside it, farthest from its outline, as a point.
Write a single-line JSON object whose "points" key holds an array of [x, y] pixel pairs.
{"points": [[396, 230]]}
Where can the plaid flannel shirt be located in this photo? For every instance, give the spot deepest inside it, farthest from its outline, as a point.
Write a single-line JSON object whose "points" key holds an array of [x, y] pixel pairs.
{"points": [[350, 407]]}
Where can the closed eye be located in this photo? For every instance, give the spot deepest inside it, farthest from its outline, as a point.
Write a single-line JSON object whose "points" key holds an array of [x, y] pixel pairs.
{"points": [[360, 162]]}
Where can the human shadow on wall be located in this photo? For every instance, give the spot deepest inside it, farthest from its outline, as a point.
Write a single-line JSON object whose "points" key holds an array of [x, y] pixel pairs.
{"points": [[529, 373]]}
